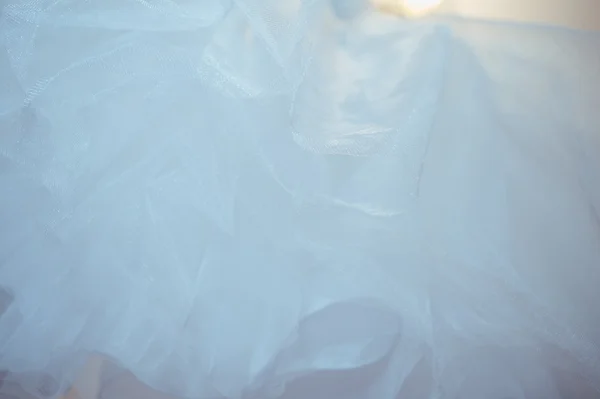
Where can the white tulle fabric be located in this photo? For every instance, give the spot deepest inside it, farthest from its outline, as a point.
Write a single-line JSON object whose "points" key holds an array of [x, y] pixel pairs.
{"points": [[298, 199]]}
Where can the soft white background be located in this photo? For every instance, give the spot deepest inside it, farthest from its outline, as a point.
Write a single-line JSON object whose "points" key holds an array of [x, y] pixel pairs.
{"points": [[582, 14]]}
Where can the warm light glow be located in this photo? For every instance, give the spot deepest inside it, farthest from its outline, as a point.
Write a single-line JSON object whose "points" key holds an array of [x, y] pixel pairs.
{"points": [[407, 8]]}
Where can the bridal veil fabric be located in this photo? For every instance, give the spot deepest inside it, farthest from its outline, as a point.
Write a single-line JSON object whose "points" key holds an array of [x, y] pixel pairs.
{"points": [[261, 199]]}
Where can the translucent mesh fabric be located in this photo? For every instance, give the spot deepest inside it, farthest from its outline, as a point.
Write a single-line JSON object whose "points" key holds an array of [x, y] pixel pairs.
{"points": [[296, 199]]}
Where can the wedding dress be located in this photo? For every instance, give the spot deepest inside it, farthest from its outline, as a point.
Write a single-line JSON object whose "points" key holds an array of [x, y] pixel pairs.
{"points": [[298, 199]]}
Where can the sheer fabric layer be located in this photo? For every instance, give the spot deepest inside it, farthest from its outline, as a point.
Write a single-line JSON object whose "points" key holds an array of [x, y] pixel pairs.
{"points": [[271, 199]]}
